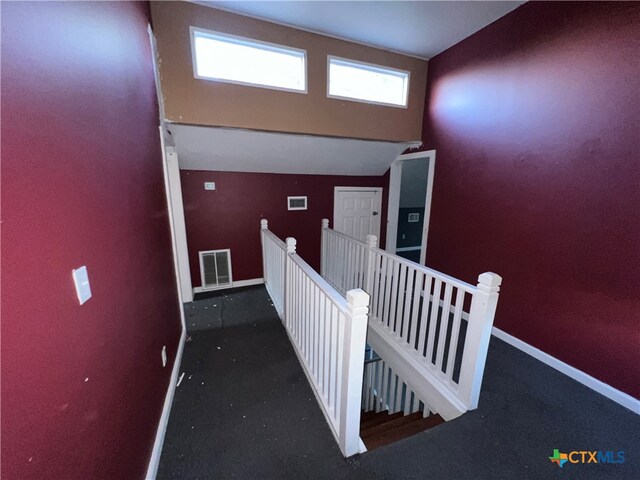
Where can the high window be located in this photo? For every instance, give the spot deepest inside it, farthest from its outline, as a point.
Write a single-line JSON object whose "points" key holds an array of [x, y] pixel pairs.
{"points": [[227, 58], [364, 82]]}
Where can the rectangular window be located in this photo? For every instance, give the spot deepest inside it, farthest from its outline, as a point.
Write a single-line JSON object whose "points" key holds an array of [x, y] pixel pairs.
{"points": [[363, 82], [227, 58]]}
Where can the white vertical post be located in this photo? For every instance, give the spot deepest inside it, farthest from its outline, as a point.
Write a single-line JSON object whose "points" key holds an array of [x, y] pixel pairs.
{"points": [[369, 270], [323, 246], [264, 225], [476, 345], [288, 301], [355, 337]]}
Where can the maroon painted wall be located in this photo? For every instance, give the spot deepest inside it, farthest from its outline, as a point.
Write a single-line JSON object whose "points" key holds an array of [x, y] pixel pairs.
{"points": [[535, 120], [229, 217], [82, 386]]}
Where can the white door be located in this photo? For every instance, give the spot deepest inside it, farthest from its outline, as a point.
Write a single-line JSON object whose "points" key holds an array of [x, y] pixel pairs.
{"points": [[356, 211]]}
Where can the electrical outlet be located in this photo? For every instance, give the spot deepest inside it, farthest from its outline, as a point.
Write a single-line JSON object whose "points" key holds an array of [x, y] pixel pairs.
{"points": [[164, 355], [209, 185]]}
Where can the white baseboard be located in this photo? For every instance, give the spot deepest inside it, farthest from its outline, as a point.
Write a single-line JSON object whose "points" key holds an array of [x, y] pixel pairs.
{"points": [[154, 462], [238, 284], [587, 380]]}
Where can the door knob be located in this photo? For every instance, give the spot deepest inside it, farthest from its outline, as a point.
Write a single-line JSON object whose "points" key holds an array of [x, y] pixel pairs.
{"points": [[375, 213]]}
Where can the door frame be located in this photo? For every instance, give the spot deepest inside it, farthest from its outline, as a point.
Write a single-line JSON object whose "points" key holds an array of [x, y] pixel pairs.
{"points": [[177, 224], [380, 190], [395, 181]]}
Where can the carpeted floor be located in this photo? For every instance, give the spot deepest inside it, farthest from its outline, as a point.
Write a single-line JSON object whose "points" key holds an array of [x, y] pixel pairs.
{"points": [[244, 410]]}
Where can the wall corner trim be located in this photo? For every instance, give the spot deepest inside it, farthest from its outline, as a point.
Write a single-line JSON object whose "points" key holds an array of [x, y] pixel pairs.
{"points": [[585, 379], [154, 462]]}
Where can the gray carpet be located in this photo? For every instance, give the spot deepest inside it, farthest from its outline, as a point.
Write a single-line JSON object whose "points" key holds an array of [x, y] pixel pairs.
{"points": [[245, 410]]}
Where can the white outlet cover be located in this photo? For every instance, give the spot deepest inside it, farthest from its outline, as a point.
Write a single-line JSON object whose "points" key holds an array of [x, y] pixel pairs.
{"points": [[209, 185], [164, 356], [81, 281]]}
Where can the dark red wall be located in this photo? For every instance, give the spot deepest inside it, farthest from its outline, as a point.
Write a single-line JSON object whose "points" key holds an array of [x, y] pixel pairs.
{"points": [[229, 217], [82, 184], [535, 120]]}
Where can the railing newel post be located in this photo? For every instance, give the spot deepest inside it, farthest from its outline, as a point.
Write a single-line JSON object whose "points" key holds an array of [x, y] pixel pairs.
{"points": [[264, 225], [355, 339], [323, 246], [291, 249], [480, 324]]}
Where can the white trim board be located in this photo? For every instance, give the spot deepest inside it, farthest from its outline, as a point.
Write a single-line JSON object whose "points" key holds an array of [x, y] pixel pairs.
{"points": [[238, 284], [154, 461], [585, 379], [395, 184], [408, 249]]}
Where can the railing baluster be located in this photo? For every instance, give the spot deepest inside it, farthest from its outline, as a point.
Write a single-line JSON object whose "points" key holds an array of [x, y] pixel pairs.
{"points": [[398, 400], [417, 300], [455, 331], [424, 319], [444, 325], [407, 399], [395, 323], [408, 294], [382, 288], [433, 319], [393, 291], [384, 385]]}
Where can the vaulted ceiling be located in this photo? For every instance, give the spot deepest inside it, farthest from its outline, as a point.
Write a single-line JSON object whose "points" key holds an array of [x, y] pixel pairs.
{"points": [[419, 28]]}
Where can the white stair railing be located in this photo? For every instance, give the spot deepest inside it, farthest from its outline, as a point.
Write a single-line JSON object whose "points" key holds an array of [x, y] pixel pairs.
{"points": [[436, 325], [274, 252], [328, 333]]}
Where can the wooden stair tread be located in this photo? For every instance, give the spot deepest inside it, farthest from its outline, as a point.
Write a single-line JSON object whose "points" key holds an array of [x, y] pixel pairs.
{"points": [[365, 416], [402, 431], [378, 418], [390, 422]]}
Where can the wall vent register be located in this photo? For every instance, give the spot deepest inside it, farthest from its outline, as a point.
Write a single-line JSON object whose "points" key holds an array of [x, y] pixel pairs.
{"points": [[215, 269], [296, 203]]}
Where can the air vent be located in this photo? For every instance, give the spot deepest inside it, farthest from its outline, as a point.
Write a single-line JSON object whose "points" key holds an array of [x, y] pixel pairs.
{"points": [[215, 269], [297, 203], [414, 217]]}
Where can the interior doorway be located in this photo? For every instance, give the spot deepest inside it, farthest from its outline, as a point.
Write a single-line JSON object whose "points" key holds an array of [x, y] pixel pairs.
{"points": [[410, 189], [356, 211]]}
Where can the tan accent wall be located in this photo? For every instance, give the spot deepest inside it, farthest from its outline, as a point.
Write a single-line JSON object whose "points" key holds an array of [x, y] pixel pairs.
{"points": [[204, 102]]}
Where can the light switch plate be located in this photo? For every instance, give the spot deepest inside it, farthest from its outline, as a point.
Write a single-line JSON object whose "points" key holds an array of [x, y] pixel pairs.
{"points": [[81, 280], [209, 185]]}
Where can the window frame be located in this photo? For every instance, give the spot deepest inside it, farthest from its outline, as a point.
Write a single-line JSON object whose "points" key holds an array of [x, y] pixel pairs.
{"points": [[372, 67], [274, 47]]}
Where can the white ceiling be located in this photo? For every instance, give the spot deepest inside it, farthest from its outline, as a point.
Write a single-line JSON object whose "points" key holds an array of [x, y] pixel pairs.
{"points": [[418, 28], [233, 150]]}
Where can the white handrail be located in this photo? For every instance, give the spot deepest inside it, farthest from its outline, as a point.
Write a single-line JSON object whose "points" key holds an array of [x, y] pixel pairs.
{"points": [[273, 263], [443, 322], [328, 333]]}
